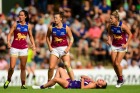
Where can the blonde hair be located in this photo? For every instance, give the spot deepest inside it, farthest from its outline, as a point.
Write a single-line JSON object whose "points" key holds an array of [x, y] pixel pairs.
{"points": [[116, 14]]}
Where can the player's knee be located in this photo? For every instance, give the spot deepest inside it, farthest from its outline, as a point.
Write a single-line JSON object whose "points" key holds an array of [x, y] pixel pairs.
{"points": [[11, 69], [55, 79], [23, 67], [117, 63], [67, 64], [51, 68]]}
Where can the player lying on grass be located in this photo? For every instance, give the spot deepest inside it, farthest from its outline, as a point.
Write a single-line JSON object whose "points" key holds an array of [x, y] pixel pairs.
{"points": [[63, 79]]}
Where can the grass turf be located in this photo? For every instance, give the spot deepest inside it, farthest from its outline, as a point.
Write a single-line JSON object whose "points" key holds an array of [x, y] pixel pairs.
{"points": [[58, 89]]}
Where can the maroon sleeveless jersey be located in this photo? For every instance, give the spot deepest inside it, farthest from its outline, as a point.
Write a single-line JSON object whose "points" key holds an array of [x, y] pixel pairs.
{"points": [[20, 35], [59, 36], [119, 36]]}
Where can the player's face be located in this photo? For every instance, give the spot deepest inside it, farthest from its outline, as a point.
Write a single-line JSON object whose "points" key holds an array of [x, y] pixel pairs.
{"points": [[57, 19], [22, 16], [113, 20], [101, 82]]}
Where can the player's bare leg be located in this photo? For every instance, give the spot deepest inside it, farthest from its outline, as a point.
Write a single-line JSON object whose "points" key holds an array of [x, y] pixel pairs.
{"points": [[11, 70], [52, 64], [66, 60], [23, 60], [119, 69], [114, 56], [61, 77]]}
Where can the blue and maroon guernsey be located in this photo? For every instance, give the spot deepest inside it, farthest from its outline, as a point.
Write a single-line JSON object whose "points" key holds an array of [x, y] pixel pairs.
{"points": [[119, 36], [20, 35], [59, 36]]}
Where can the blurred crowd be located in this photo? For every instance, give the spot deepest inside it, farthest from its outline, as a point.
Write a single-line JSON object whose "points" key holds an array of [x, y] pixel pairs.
{"points": [[87, 20]]}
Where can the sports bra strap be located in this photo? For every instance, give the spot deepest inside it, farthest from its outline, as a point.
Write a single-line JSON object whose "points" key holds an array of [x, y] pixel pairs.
{"points": [[120, 24]]}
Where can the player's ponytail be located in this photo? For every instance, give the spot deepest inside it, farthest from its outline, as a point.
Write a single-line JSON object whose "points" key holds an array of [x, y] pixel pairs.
{"points": [[26, 14], [116, 14]]}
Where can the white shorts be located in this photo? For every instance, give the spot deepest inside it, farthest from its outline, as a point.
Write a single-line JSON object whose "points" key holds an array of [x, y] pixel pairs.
{"points": [[118, 49], [59, 51], [18, 52]]}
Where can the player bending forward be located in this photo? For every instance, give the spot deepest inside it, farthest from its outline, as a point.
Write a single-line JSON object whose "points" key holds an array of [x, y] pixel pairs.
{"points": [[63, 79]]}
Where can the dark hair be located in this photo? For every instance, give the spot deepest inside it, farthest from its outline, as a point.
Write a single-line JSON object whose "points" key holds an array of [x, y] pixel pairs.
{"points": [[103, 87], [26, 14], [59, 13]]}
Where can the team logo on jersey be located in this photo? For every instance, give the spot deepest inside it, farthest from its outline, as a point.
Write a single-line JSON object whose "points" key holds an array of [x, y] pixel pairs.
{"points": [[58, 39], [54, 33], [21, 36], [18, 28], [25, 29], [117, 36], [62, 33], [118, 31]]}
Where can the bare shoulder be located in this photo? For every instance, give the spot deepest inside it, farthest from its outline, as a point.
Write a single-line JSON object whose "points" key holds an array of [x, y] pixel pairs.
{"points": [[50, 28], [124, 26], [67, 28], [14, 24]]}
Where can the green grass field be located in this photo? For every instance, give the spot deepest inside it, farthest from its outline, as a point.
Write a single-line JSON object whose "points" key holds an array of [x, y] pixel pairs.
{"points": [[110, 89]]}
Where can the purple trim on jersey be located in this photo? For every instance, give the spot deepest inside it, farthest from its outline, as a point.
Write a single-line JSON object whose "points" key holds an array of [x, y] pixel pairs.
{"points": [[19, 41], [59, 36], [119, 36]]}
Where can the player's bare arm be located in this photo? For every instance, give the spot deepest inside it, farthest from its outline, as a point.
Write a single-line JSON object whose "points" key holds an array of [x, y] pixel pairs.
{"points": [[10, 33], [48, 38], [70, 39], [125, 28], [31, 36]]}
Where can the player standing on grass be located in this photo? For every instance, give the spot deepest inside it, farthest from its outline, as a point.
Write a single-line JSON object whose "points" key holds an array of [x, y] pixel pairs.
{"points": [[117, 38], [59, 46], [19, 47]]}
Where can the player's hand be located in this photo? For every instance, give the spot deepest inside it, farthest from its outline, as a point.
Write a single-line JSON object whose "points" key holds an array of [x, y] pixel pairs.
{"points": [[9, 45], [108, 42], [50, 49], [34, 49], [124, 45], [66, 50]]}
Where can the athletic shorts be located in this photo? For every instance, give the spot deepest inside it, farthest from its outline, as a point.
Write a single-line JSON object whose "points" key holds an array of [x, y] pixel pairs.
{"points": [[59, 51], [118, 49], [18, 52]]}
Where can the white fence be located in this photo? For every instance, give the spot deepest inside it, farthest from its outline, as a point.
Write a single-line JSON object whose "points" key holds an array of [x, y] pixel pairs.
{"points": [[132, 77]]}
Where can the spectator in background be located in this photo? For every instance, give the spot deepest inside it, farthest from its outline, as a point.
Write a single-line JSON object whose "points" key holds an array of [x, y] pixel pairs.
{"points": [[138, 6], [89, 65], [31, 66], [79, 65], [134, 65], [15, 10], [3, 63], [82, 42], [42, 5], [86, 7], [41, 30], [2, 36], [5, 27], [99, 66], [104, 8], [64, 6], [99, 54], [31, 9], [68, 16], [94, 34], [3, 47], [74, 27], [124, 64], [39, 58], [122, 13]]}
